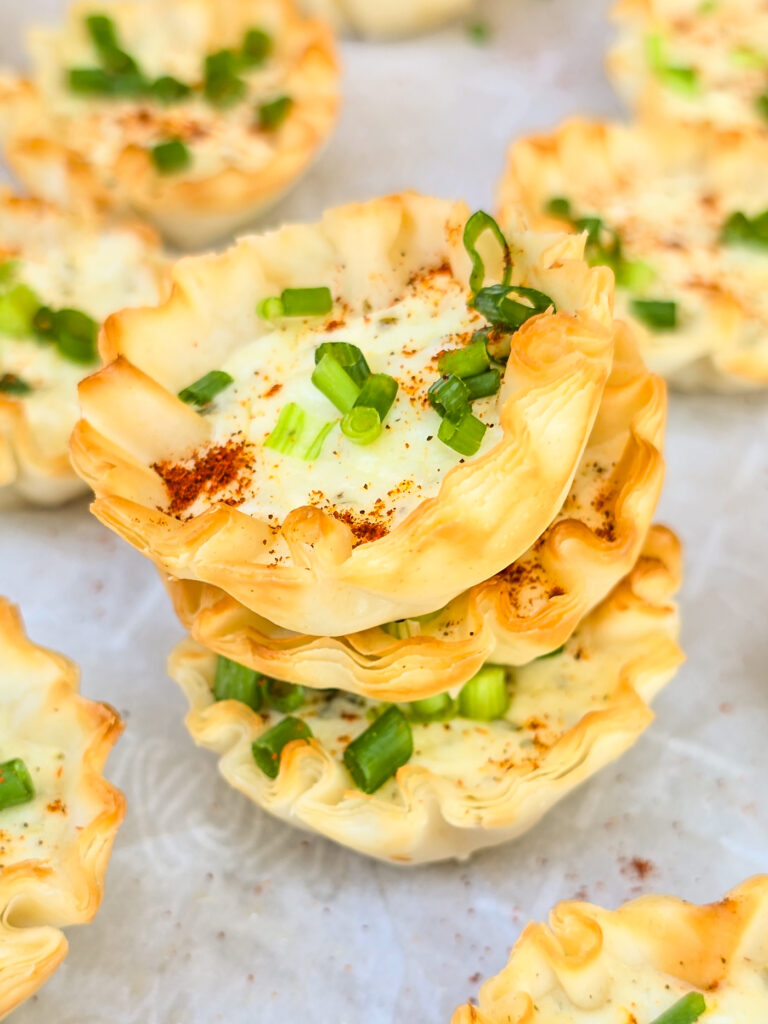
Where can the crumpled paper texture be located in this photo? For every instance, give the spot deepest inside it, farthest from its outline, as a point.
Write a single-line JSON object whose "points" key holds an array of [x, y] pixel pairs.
{"points": [[214, 912]]}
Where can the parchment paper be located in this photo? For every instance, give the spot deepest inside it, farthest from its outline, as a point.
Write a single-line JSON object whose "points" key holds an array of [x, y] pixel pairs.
{"points": [[214, 912]]}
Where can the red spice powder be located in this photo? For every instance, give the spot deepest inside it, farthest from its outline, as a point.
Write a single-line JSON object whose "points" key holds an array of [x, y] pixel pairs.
{"points": [[207, 472], [363, 529]]}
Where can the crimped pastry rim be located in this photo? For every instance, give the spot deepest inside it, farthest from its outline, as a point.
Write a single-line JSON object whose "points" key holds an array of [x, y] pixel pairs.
{"points": [[433, 819], [54, 895]]}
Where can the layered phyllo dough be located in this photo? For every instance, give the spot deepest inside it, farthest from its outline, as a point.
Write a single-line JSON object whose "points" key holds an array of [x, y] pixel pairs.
{"points": [[443, 777], [393, 18], [197, 114], [345, 424], [656, 960], [697, 62], [527, 610], [58, 815], [681, 217], [59, 278]]}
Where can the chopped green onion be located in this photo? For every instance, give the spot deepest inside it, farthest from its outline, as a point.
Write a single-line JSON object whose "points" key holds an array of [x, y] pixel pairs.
{"points": [[742, 230], [15, 784], [685, 1010], [477, 224], [284, 696], [464, 437], [761, 104], [10, 384], [479, 31], [449, 397], [634, 274], [234, 681], [102, 31], [746, 57], [483, 384], [222, 85], [501, 311], [465, 362], [119, 63], [76, 335], [8, 271], [347, 355], [316, 447], [18, 306], [204, 390], [559, 206], [439, 708], [268, 748], [378, 392], [361, 424], [168, 89], [171, 157], [335, 383], [257, 46], [684, 80], [44, 324], [273, 113], [485, 697], [377, 753], [270, 308], [401, 629], [286, 433], [658, 314], [306, 301]]}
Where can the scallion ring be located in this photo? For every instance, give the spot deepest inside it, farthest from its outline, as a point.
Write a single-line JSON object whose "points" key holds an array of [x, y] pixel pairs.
{"points": [[16, 786], [171, 156], [332, 379], [379, 393], [204, 390], [464, 437], [234, 681], [362, 424], [377, 753], [11, 384], [500, 310], [449, 397], [684, 1011], [267, 750], [316, 447], [18, 306], [287, 432], [485, 697], [484, 384], [465, 362], [347, 355], [297, 302], [478, 224], [657, 314], [284, 696], [439, 708]]}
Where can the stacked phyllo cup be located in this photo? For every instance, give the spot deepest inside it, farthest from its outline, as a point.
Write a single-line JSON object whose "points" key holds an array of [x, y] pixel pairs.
{"points": [[398, 470]]}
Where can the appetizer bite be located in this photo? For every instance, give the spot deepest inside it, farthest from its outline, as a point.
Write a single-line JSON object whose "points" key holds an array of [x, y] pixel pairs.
{"points": [[58, 815], [197, 114], [347, 423], [681, 217], [656, 960], [60, 276], [527, 610], [443, 777], [393, 18], [697, 62]]}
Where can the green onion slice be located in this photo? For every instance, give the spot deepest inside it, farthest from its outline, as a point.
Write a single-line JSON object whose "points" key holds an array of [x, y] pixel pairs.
{"points": [[658, 314], [466, 362], [439, 708], [222, 84], [268, 748], [559, 206], [102, 31], [500, 310], [273, 113], [18, 306], [361, 424], [740, 229], [449, 397], [377, 753], [171, 156], [306, 301], [684, 80], [379, 393], [257, 46], [485, 697], [204, 390], [15, 784], [8, 271], [284, 696], [634, 274], [464, 437], [401, 629], [76, 335], [92, 81], [484, 384], [347, 355], [234, 681], [168, 89], [11, 384], [316, 447], [332, 379], [685, 1010], [761, 105], [287, 432], [478, 224]]}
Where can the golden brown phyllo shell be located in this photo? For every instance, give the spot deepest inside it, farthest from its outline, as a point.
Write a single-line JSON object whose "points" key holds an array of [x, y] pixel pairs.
{"points": [[64, 741], [525, 611], [469, 784], [86, 151], [669, 192], [323, 582], [635, 963]]}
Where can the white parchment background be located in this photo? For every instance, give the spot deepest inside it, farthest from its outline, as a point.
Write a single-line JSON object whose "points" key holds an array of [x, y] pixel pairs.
{"points": [[213, 912]]}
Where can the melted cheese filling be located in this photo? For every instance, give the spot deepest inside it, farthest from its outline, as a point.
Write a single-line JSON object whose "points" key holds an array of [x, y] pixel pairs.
{"points": [[177, 45], [97, 274], [383, 481]]}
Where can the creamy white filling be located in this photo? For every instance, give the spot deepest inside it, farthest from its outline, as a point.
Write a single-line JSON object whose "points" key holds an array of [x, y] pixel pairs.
{"points": [[407, 463]]}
